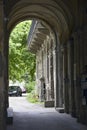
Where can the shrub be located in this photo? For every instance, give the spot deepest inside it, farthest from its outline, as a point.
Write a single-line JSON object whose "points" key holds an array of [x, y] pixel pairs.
{"points": [[30, 86], [32, 97]]}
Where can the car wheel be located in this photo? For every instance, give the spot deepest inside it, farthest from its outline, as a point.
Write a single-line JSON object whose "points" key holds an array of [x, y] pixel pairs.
{"points": [[16, 94], [21, 94]]}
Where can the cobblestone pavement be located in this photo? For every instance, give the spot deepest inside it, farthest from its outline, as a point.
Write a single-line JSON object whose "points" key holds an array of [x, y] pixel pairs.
{"points": [[28, 116]]}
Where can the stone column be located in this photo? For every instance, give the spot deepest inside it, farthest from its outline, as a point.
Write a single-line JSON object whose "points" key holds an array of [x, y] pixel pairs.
{"points": [[51, 78], [51, 75], [72, 108], [2, 67], [55, 68], [60, 76], [80, 64], [6, 61], [58, 71], [66, 80], [77, 74], [80, 58], [48, 75], [84, 39], [46, 70], [6, 54], [57, 74]]}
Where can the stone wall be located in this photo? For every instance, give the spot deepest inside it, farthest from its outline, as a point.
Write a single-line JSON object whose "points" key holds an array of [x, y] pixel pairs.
{"points": [[44, 70]]}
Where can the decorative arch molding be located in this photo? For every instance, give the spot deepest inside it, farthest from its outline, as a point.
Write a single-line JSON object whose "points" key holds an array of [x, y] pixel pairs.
{"points": [[55, 14]]}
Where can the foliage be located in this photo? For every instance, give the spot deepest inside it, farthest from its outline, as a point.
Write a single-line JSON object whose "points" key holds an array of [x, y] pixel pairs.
{"points": [[32, 97], [30, 86], [21, 61]]}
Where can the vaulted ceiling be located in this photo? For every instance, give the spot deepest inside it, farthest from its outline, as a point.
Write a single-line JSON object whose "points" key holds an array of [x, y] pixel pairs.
{"points": [[57, 14]]}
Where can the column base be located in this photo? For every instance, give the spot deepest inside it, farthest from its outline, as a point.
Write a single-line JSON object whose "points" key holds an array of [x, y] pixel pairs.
{"points": [[60, 110], [82, 118], [49, 104]]}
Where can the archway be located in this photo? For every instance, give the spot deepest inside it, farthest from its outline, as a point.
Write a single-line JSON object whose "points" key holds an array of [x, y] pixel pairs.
{"points": [[67, 19], [56, 16]]}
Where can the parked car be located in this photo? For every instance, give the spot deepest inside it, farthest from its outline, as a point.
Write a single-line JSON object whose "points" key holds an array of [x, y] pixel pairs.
{"points": [[14, 91], [23, 89]]}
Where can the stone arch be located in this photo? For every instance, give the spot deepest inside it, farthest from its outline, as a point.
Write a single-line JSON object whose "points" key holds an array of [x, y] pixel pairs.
{"points": [[56, 15]]}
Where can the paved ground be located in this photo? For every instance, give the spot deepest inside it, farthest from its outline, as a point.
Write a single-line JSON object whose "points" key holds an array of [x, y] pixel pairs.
{"points": [[28, 116]]}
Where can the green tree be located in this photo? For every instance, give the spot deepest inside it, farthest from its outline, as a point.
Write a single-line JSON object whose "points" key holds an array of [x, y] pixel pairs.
{"points": [[21, 61]]}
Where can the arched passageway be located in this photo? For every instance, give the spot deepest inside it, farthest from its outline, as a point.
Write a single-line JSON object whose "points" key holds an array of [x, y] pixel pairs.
{"points": [[69, 30]]}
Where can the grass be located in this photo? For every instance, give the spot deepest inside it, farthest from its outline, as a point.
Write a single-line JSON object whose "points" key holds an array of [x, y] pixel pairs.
{"points": [[33, 98]]}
